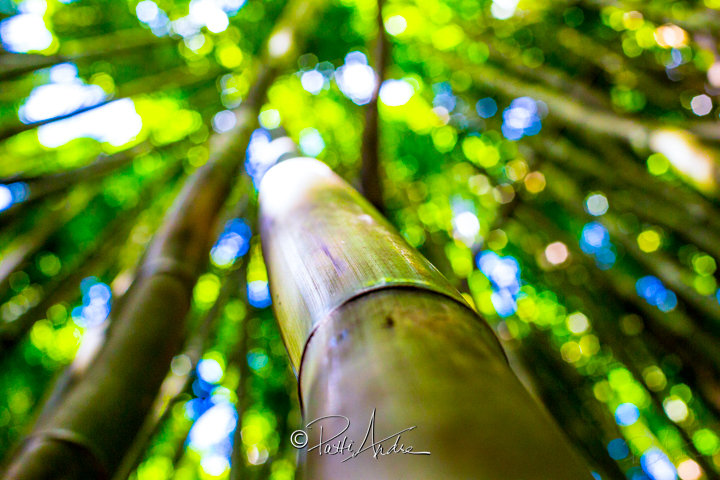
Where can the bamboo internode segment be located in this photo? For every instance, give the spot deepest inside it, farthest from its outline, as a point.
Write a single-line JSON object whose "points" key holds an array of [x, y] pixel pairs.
{"points": [[372, 326], [325, 244]]}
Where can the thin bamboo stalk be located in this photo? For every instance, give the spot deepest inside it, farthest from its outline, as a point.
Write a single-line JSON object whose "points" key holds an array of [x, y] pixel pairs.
{"points": [[370, 326], [370, 176], [177, 77], [114, 43], [238, 458]]}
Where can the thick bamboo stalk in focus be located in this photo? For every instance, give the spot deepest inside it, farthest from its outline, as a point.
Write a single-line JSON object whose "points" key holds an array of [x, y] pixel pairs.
{"points": [[374, 331]]}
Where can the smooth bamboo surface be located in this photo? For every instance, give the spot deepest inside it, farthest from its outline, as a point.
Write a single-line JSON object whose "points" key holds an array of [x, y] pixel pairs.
{"points": [[421, 359], [325, 244], [372, 326]]}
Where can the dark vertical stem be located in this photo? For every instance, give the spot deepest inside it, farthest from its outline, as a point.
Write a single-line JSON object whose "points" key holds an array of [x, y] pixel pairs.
{"points": [[370, 177]]}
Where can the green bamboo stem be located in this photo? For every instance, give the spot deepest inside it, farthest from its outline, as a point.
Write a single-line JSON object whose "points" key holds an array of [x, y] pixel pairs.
{"points": [[86, 423], [44, 186], [115, 43], [174, 386], [178, 77], [370, 168], [93, 261], [160, 293], [238, 468], [359, 309]]}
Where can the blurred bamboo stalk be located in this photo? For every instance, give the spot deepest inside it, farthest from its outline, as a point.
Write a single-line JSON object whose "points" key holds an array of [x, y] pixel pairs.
{"points": [[370, 174], [179, 77], [175, 385], [115, 43], [88, 422], [370, 326]]}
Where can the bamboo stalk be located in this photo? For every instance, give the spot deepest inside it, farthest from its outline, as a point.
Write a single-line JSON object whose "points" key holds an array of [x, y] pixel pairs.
{"points": [[370, 175], [370, 324], [160, 293], [150, 325], [43, 186], [238, 468], [114, 43], [173, 386], [178, 77], [87, 424]]}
